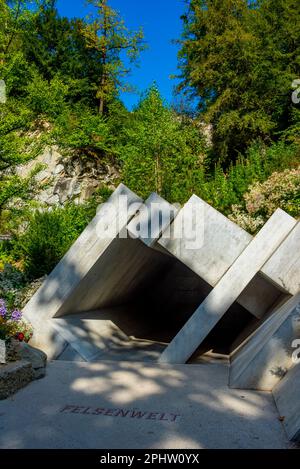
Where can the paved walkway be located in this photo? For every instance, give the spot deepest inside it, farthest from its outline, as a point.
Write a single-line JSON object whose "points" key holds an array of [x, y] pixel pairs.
{"points": [[138, 405]]}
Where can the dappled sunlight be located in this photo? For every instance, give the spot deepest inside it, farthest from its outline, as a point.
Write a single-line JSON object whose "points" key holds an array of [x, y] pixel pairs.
{"points": [[240, 406], [138, 405], [171, 440]]}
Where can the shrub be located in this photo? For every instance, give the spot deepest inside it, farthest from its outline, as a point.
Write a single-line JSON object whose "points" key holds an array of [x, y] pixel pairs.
{"points": [[12, 279], [223, 190], [51, 233], [281, 190], [46, 98]]}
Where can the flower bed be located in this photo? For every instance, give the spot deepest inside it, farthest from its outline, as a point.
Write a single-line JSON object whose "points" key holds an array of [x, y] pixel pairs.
{"points": [[13, 330]]}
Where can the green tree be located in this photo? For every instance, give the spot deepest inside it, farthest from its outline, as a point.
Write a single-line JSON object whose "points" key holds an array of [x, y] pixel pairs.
{"points": [[161, 151], [107, 35], [239, 58]]}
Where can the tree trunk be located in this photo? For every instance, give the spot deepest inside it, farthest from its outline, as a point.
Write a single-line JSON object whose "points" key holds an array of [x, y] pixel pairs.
{"points": [[104, 58]]}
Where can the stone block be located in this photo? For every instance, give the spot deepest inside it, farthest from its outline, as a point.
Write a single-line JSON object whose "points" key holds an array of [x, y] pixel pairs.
{"points": [[68, 279], [36, 357], [222, 241], [283, 268], [14, 376]]}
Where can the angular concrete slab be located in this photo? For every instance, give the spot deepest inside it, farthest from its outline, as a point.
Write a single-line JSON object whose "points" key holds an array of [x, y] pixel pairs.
{"points": [[128, 255], [265, 357], [152, 219], [287, 398], [111, 405], [70, 274], [283, 268], [229, 288], [222, 241]]}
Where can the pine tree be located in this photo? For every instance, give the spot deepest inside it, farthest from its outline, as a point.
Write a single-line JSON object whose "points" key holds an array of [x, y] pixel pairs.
{"points": [[108, 35]]}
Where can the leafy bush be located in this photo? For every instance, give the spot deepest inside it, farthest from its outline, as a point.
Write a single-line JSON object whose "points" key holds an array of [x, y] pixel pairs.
{"points": [[48, 237], [223, 190], [12, 280], [46, 98], [51, 233], [82, 130], [281, 190]]}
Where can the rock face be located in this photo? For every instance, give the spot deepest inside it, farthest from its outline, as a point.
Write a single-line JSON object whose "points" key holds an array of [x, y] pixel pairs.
{"points": [[14, 376], [9, 351], [37, 358], [68, 178], [31, 365]]}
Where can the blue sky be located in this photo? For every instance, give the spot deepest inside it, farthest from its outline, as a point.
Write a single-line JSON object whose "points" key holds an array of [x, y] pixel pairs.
{"points": [[161, 22]]}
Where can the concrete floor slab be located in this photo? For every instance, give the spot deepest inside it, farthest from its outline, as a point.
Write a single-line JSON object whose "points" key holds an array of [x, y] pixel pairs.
{"points": [[138, 405]]}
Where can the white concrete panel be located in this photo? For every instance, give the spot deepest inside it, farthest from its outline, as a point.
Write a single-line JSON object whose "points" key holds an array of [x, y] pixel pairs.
{"points": [[67, 276], [153, 218], [283, 267], [265, 357], [229, 288], [222, 241], [287, 398]]}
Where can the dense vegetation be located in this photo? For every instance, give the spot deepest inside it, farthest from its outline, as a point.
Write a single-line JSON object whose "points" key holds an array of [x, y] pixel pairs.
{"points": [[238, 60]]}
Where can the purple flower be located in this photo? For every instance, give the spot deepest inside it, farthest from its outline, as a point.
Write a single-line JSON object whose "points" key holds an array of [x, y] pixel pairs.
{"points": [[16, 315], [3, 310]]}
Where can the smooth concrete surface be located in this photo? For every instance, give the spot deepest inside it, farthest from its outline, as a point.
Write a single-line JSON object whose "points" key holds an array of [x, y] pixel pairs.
{"points": [[265, 357], [118, 275], [78, 262], [261, 296], [287, 398], [229, 288], [152, 219], [222, 241], [130, 261], [132, 405], [95, 336], [283, 267]]}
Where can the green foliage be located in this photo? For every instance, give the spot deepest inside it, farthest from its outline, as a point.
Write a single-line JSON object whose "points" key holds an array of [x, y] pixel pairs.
{"points": [[280, 190], [51, 233], [83, 130], [240, 61], [46, 98], [161, 152], [49, 236], [238, 58], [225, 189], [106, 34]]}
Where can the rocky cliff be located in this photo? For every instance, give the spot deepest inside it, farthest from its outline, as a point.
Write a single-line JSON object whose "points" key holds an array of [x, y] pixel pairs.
{"points": [[63, 179]]}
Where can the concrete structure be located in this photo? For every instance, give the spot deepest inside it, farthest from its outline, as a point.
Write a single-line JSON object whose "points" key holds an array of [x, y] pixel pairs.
{"points": [[229, 288], [154, 218], [149, 282], [287, 398], [266, 356], [134, 278], [71, 285]]}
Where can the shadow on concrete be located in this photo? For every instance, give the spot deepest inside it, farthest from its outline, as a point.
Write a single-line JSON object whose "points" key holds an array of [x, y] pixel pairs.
{"points": [[133, 405]]}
